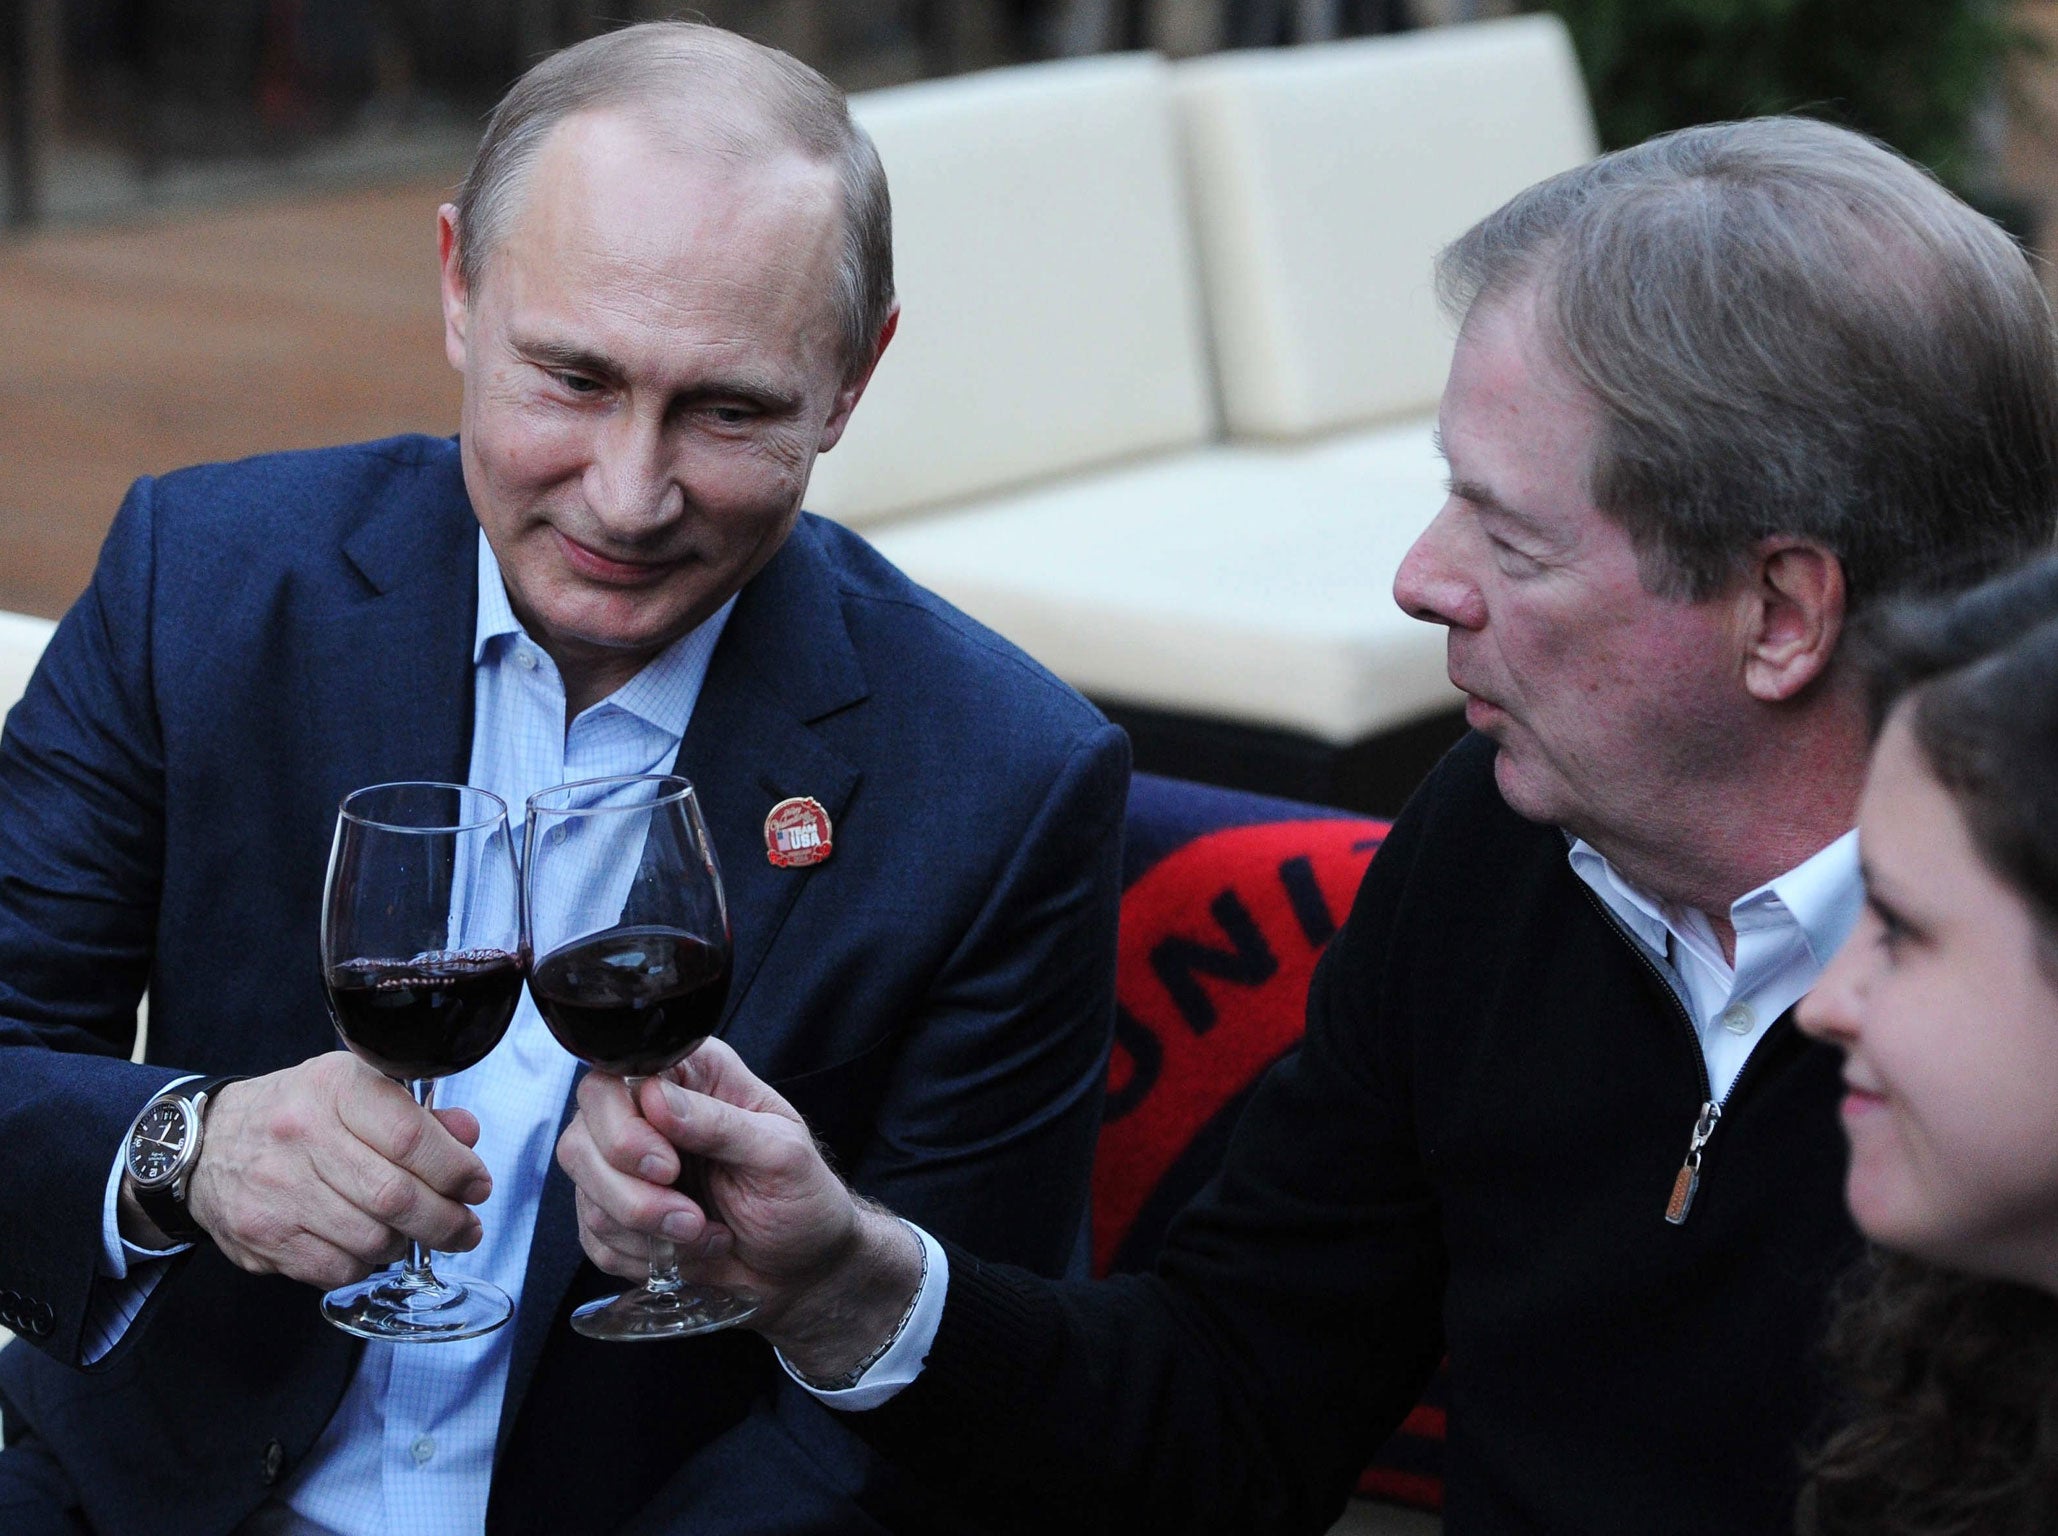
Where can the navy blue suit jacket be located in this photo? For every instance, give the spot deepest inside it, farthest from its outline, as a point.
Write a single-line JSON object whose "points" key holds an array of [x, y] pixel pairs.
{"points": [[262, 637]]}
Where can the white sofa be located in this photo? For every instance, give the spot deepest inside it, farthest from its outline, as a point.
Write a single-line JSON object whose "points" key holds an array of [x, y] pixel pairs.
{"points": [[21, 641], [1160, 406]]}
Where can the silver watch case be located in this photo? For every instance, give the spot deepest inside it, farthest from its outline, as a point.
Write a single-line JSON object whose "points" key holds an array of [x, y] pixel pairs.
{"points": [[164, 1143]]}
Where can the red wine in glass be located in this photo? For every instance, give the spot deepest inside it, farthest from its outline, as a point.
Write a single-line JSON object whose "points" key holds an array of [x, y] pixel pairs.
{"points": [[633, 1000], [423, 962], [625, 907], [434, 1015]]}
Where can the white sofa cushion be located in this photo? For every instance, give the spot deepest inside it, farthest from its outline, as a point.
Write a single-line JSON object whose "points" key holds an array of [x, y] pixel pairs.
{"points": [[1241, 582], [1052, 317], [1324, 181], [21, 645]]}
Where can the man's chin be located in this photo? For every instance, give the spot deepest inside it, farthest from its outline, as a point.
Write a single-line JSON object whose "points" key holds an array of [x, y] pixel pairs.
{"points": [[1523, 796], [581, 634], [613, 640]]}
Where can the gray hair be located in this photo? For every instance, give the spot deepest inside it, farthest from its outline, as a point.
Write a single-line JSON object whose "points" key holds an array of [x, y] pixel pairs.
{"points": [[1788, 329], [746, 100]]}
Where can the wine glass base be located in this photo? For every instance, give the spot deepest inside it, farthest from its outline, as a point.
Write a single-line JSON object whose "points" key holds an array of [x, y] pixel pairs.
{"points": [[644, 1314], [417, 1309]]}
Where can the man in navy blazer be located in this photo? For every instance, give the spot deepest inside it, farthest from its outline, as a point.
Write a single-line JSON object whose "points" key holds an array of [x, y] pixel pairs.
{"points": [[666, 282]]}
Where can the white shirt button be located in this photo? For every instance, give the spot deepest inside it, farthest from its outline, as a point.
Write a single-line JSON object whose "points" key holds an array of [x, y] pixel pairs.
{"points": [[557, 836], [1738, 1018], [526, 659], [423, 1448]]}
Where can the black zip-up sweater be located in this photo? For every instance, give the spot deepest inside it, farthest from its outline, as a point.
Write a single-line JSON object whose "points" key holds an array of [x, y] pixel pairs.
{"points": [[1474, 1147]]}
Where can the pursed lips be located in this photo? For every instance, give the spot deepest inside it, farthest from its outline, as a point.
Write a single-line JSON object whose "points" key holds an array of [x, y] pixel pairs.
{"points": [[1479, 709], [595, 566]]}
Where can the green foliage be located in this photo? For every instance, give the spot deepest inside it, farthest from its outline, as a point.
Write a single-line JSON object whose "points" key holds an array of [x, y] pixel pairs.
{"points": [[1911, 72]]}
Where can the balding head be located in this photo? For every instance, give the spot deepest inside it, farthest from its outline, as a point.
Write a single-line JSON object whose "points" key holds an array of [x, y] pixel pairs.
{"points": [[719, 94]]}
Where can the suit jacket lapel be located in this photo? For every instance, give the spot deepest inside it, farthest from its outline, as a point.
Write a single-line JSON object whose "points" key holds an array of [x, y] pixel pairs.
{"points": [[386, 664], [389, 675], [785, 661]]}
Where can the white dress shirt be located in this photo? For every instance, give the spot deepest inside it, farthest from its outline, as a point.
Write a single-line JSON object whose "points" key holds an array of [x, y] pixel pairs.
{"points": [[410, 1450], [1786, 931]]}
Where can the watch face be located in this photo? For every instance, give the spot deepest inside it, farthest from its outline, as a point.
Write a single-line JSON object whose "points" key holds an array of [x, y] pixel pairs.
{"points": [[158, 1143]]}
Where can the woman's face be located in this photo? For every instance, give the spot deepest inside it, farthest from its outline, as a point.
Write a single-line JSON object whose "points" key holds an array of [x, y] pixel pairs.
{"points": [[1950, 1031]]}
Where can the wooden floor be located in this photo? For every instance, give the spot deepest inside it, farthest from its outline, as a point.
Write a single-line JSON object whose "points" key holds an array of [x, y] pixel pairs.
{"points": [[134, 350]]}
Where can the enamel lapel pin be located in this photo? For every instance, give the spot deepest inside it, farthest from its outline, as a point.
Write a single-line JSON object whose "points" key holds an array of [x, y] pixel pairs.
{"points": [[797, 833]]}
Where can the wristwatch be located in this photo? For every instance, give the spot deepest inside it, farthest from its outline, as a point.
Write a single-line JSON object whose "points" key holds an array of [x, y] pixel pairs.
{"points": [[163, 1146]]}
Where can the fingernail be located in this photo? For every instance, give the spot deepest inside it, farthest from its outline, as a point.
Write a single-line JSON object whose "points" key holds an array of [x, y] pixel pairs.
{"points": [[675, 1097], [655, 1169], [478, 1192], [679, 1227]]}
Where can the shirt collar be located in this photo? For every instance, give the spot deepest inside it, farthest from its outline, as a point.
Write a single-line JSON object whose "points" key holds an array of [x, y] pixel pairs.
{"points": [[1637, 912], [496, 615], [1821, 895], [662, 694]]}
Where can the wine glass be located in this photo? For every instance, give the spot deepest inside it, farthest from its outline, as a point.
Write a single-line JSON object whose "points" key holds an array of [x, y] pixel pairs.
{"points": [[627, 919], [423, 961]]}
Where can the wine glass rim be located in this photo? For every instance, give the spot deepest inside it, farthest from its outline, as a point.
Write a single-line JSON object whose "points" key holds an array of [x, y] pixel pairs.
{"points": [[362, 820], [682, 791]]}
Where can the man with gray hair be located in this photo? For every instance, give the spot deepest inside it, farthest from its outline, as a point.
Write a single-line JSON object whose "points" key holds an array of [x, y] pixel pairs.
{"points": [[1712, 398], [666, 281]]}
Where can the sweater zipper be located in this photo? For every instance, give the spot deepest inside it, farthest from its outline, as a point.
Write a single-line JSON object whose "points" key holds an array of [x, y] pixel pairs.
{"points": [[1687, 1183]]}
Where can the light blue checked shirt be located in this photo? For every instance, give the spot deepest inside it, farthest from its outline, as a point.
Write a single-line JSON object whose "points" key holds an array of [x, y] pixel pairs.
{"points": [[410, 1451]]}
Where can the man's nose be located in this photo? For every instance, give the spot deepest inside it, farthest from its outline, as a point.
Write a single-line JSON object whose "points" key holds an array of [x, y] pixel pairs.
{"points": [[629, 482], [1432, 584]]}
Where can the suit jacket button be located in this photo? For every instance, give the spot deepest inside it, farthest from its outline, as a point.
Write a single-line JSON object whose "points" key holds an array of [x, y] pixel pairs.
{"points": [[45, 1320], [274, 1462]]}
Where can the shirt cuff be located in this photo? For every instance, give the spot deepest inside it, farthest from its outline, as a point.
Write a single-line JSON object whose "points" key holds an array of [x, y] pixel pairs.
{"points": [[903, 1362], [113, 1309], [116, 1252]]}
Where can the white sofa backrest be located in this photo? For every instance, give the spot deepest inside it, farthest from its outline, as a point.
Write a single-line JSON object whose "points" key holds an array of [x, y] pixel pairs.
{"points": [[1052, 315], [1325, 179], [21, 643]]}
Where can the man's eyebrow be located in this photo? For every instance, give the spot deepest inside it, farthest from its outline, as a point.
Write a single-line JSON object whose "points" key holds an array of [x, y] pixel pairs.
{"points": [[1479, 495], [567, 355], [1475, 492], [570, 356]]}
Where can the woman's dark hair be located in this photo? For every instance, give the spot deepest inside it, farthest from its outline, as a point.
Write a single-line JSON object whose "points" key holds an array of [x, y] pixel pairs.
{"points": [[1978, 673], [1953, 1378]]}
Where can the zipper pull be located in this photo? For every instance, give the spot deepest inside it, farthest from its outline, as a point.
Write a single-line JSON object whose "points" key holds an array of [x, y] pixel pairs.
{"points": [[1689, 1179]]}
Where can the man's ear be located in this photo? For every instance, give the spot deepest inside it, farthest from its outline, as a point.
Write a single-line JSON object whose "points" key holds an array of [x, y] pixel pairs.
{"points": [[853, 388], [1792, 613], [455, 295]]}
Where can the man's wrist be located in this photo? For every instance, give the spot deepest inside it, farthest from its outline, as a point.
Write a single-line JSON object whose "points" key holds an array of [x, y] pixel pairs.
{"points": [[154, 1207], [137, 1229], [856, 1310]]}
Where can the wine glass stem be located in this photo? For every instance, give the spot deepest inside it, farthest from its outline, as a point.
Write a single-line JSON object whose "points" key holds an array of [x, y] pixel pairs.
{"points": [[418, 1272], [664, 1254]]}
